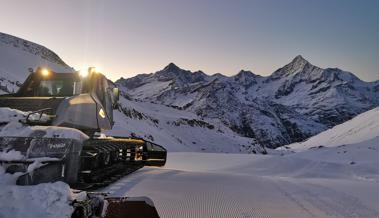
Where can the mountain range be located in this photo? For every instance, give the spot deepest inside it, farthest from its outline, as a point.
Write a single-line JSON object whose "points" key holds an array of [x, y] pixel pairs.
{"points": [[295, 102], [194, 111]]}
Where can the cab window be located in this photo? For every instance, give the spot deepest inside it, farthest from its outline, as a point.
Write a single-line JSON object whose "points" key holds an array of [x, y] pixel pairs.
{"points": [[63, 87]]}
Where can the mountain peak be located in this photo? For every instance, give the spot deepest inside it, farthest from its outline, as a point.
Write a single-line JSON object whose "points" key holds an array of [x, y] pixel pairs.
{"points": [[171, 67], [245, 73], [248, 72], [181, 76], [299, 58], [245, 78], [298, 64]]}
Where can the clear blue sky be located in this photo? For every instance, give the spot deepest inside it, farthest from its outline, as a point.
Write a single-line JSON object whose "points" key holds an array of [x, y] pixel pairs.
{"points": [[128, 37]]}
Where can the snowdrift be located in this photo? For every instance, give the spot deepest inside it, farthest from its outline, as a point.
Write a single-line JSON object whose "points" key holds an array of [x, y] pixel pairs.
{"points": [[10, 125], [43, 200]]}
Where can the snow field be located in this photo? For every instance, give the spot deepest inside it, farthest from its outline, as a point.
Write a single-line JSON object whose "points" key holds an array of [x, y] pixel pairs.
{"points": [[241, 185], [336, 181]]}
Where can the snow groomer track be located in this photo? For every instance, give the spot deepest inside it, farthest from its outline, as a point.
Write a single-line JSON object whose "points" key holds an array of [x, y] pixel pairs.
{"points": [[237, 185]]}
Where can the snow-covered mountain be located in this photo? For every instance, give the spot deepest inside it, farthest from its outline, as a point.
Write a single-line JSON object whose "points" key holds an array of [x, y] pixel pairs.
{"points": [[349, 150], [297, 101], [175, 129], [178, 130], [18, 55], [364, 127], [216, 113]]}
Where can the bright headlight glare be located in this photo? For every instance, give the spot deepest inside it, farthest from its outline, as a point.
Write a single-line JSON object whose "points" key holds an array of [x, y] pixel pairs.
{"points": [[102, 113], [45, 72]]}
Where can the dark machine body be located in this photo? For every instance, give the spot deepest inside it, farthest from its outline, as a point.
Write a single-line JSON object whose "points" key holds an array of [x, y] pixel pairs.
{"points": [[84, 103]]}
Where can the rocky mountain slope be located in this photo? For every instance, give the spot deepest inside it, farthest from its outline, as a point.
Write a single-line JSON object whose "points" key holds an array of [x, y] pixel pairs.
{"points": [[178, 130], [297, 101]]}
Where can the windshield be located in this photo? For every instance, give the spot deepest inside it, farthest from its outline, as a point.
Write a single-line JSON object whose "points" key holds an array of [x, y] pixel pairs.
{"points": [[58, 87]]}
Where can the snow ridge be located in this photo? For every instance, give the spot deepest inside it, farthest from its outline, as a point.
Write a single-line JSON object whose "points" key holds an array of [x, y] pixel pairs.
{"points": [[18, 56], [32, 48]]}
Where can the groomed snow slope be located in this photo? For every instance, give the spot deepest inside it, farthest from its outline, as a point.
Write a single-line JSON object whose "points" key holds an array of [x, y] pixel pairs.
{"points": [[341, 181], [361, 128], [242, 185]]}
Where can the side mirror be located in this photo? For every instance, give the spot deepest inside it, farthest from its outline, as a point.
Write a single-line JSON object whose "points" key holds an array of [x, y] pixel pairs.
{"points": [[116, 94]]}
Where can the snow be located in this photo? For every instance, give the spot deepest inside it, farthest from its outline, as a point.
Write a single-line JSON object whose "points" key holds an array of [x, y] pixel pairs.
{"points": [[7, 115], [43, 131], [297, 101], [43, 200], [11, 155], [16, 59], [18, 55], [334, 174], [319, 182], [361, 128], [155, 87], [10, 125], [241, 185], [50, 200], [177, 130], [339, 181]]}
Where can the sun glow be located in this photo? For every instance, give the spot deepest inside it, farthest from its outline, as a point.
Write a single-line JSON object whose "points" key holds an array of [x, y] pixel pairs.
{"points": [[83, 72], [94, 69], [86, 71]]}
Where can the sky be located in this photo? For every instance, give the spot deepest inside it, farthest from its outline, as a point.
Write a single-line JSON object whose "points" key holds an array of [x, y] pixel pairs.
{"points": [[125, 38]]}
